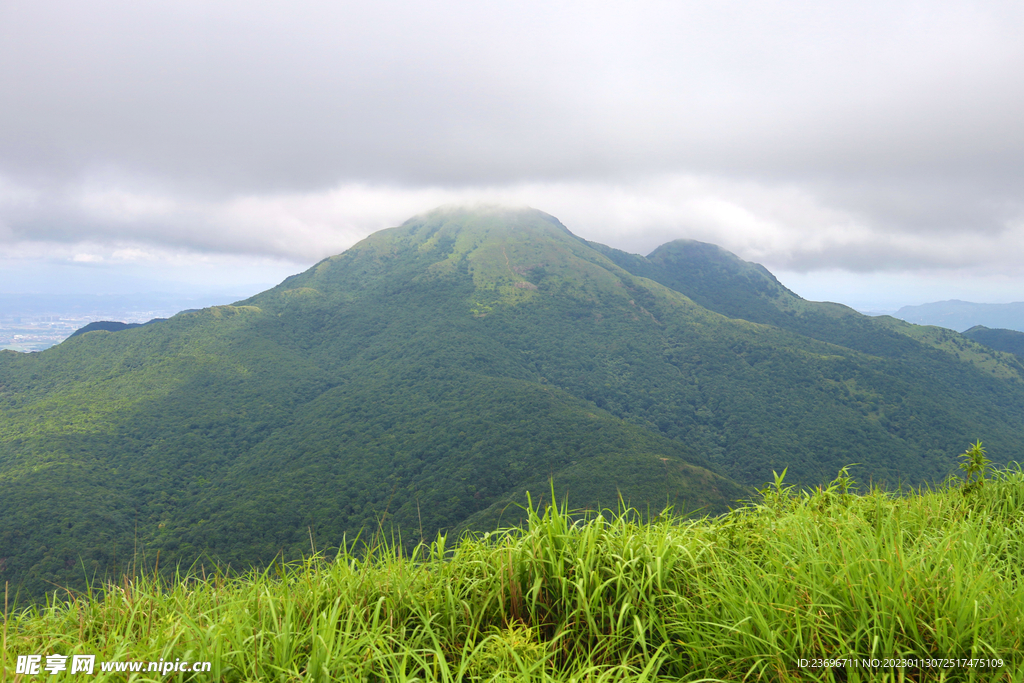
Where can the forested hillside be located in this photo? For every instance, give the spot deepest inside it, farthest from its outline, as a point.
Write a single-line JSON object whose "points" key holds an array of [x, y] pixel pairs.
{"points": [[432, 374], [1010, 341]]}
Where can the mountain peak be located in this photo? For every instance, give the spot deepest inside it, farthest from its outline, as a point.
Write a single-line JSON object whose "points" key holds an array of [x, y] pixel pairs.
{"points": [[714, 278], [493, 255], [715, 267], [480, 220], [463, 214]]}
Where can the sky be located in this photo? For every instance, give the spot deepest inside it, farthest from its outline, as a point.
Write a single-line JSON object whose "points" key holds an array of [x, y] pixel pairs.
{"points": [[868, 152]]}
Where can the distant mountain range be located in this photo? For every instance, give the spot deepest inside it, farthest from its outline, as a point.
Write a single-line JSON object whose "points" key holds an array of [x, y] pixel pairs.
{"points": [[963, 315], [431, 375]]}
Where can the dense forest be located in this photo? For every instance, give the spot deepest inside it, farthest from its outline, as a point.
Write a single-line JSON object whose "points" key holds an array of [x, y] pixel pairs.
{"points": [[433, 374]]}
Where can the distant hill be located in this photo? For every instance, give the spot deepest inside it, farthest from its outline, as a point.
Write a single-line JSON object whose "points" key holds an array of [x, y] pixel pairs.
{"points": [[110, 326], [963, 315], [431, 375], [1010, 341]]}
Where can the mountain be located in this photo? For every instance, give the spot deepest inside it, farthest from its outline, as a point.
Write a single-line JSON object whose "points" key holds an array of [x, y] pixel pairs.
{"points": [[431, 375], [961, 315], [1009, 341], [110, 326]]}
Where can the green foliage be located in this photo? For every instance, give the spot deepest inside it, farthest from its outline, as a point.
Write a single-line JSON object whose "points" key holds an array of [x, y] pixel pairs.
{"points": [[508, 652], [740, 597], [975, 465], [430, 376], [781, 498], [1008, 341], [778, 496]]}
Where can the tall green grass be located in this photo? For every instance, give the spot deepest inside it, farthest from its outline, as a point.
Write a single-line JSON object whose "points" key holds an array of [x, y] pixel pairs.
{"points": [[746, 596]]}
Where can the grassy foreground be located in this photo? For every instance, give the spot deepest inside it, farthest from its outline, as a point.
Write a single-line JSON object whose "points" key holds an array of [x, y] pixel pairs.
{"points": [[746, 596]]}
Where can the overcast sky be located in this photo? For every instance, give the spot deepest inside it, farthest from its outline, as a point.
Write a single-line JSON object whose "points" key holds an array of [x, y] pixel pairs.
{"points": [[866, 152]]}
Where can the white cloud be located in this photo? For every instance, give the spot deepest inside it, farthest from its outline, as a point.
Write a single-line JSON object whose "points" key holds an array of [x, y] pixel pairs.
{"points": [[782, 225], [871, 137], [87, 258], [135, 255], [116, 205]]}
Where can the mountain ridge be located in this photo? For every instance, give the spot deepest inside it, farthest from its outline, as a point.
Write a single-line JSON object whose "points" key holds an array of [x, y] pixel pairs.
{"points": [[962, 315], [429, 376], [1008, 341]]}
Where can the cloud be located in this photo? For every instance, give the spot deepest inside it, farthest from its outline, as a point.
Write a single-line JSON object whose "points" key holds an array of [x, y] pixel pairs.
{"points": [[268, 97], [867, 137], [784, 226], [86, 258]]}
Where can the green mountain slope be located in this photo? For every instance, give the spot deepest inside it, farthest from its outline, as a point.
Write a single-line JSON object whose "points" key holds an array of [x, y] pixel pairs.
{"points": [[110, 326], [1008, 341], [432, 374]]}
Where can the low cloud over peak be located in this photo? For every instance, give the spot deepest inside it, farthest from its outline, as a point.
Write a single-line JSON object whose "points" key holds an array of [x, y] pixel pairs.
{"points": [[877, 137]]}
